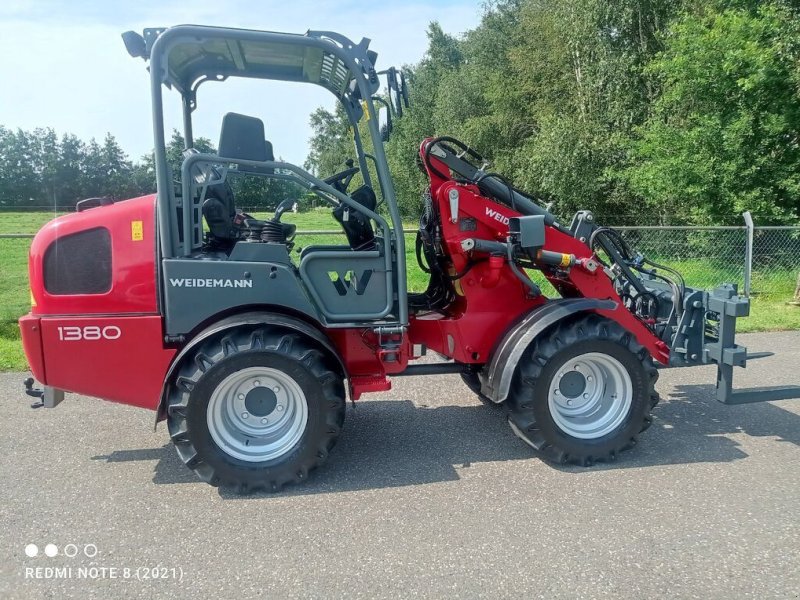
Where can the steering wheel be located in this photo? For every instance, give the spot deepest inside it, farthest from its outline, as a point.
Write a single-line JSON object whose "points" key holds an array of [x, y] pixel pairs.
{"points": [[341, 180]]}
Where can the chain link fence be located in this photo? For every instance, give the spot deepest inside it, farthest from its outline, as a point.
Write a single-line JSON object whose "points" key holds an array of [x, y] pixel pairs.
{"points": [[707, 256]]}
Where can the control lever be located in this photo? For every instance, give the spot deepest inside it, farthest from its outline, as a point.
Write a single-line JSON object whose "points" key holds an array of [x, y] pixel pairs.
{"points": [[282, 208]]}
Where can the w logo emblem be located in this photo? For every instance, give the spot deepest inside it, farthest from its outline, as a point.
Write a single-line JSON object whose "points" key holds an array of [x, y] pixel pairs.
{"points": [[349, 281]]}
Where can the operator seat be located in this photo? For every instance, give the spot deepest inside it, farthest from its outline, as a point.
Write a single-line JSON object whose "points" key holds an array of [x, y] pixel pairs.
{"points": [[241, 137], [219, 212], [357, 226]]}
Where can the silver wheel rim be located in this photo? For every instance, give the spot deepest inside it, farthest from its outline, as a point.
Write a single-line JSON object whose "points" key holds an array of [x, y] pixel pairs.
{"points": [[257, 414], [590, 395]]}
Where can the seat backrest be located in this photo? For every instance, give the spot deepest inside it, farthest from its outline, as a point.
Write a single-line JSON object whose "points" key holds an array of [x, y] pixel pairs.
{"points": [[242, 137], [358, 227]]}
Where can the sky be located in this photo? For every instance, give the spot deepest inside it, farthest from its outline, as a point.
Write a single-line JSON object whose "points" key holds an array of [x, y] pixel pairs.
{"points": [[65, 66]]}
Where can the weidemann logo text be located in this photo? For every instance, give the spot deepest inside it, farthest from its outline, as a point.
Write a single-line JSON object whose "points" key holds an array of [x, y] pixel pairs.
{"points": [[211, 283]]}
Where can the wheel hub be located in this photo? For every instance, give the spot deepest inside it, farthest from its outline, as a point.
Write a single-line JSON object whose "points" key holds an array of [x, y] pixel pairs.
{"points": [[572, 384], [257, 414], [260, 401], [590, 395]]}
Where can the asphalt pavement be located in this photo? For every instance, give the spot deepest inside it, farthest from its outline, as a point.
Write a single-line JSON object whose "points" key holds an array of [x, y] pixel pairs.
{"points": [[427, 494]]}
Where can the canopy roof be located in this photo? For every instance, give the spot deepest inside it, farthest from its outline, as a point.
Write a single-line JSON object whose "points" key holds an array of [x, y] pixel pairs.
{"points": [[188, 63], [322, 58]]}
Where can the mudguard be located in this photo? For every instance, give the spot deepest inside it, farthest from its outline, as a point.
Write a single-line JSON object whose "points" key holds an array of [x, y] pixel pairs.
{"points": [[497, 375], [250, 318]]}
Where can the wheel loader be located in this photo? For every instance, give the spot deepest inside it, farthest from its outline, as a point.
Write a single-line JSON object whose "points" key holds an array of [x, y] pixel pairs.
{"points": [[180, 303]]}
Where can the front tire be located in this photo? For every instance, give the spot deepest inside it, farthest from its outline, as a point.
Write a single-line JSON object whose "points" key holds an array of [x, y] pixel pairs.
{"points": [[583, 392], [256, 409]]}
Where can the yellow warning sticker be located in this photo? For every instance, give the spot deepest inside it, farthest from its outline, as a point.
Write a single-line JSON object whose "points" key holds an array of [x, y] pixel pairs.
{"points": [[137, 231], [366, 109]]}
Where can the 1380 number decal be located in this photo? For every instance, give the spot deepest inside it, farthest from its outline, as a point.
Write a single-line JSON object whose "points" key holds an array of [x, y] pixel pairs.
{"points": [[89, 333]]}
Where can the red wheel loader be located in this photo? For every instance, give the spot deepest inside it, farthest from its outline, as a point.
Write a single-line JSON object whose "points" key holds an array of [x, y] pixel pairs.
{"points": [[180, 303]]}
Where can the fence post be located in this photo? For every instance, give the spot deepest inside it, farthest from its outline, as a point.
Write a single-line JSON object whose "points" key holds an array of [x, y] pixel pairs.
{"points": [[748, 252]]}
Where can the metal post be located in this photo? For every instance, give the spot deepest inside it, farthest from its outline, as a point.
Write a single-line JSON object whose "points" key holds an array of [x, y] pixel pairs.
{"points": [[163, 177], [796, 301], [748, 253], [188, 136]]}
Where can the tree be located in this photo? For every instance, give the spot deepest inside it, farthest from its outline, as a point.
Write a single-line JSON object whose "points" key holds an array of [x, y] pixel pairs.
{"points": [[143, 175], [21, 180], [548, 90], [93, 180], [175, 148], [724, 136], [142, 178], [330, 143], [440, 64], [69, 169], [118, 169]]}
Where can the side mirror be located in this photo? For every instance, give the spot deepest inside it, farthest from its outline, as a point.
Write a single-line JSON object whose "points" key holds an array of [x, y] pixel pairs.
{"points": [[384, 123], [397, 103], [393, 83]]}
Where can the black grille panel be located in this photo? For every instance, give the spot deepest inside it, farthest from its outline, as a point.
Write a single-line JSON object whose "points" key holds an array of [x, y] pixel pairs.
{"points": [[79, 263]]}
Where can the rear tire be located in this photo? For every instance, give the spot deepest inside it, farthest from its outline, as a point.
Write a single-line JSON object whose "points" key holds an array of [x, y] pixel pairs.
{"points": [[583, 392], [256, 409]]}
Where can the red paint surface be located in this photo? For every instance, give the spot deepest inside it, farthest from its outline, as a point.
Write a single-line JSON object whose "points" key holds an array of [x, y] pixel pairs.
{"points": [[30, 328], [129, 369], [133, 288]]}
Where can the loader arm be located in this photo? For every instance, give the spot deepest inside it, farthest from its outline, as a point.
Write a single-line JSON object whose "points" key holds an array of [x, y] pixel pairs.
{"points": [[679, 326]]}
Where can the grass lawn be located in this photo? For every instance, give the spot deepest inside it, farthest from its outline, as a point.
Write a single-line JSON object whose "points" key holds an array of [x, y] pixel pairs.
{"points": [[769, 312], [25, 221]]}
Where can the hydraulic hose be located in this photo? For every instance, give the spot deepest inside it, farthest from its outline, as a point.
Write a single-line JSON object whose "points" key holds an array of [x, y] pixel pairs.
{"points": [[520, 275]]}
